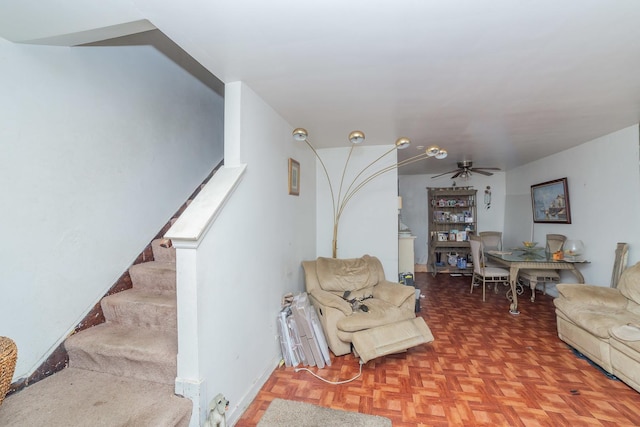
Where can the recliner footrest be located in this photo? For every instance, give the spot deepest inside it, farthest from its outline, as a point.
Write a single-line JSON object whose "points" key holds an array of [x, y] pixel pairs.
{"points": [[393, 338]]}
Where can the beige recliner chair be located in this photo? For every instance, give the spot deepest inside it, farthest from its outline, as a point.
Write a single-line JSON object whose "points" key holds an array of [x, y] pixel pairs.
{"points": [[357, 305]]}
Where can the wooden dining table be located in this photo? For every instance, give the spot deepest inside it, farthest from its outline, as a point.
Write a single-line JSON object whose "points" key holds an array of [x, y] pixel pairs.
{"points": [[518, 259]]}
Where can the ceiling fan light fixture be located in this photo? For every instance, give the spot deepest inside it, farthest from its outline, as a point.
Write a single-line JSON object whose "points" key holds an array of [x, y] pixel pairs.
{"points": [[356, 137], [465, 169], [300, 134]]}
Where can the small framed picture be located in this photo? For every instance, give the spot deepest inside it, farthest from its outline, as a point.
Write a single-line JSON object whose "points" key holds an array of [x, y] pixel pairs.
{"points": [[294, 177]]}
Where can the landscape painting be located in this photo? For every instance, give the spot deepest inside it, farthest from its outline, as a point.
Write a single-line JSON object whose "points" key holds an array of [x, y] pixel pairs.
{"points": [[550, 202]]}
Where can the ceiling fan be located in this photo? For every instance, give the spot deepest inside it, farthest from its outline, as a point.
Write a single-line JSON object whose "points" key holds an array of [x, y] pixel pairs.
{"points": [[465, 169]]}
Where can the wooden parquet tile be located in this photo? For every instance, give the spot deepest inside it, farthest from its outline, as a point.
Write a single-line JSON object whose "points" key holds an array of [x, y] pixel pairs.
{"points": [[486, 367]]}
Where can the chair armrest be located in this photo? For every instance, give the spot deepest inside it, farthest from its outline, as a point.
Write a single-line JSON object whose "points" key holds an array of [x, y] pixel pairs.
{"points": [[328, 299], [592, 295], [393, 293]]}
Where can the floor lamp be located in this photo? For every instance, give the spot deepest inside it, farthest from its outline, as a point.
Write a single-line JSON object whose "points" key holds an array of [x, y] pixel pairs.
{"points": [[366, 175]]}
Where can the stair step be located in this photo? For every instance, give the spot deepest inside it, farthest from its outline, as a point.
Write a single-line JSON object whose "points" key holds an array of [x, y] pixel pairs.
{"points": [[77, 397], [154, 276], [135, 307], [161, 253], [142, 353]]}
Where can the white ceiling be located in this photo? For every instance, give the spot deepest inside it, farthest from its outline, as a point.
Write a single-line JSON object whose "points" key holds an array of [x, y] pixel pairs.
{"points": [[499, 82]]}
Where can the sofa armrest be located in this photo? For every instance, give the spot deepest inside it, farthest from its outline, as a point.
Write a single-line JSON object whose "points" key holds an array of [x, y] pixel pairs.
{"points": [[592, 295], [328, 299], [393, 293]]}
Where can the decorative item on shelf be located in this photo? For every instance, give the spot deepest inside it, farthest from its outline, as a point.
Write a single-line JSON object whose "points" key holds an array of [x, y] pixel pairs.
{"points": [[462, 262], [341, 199], [452, 258], [573, 249], [558, 256]]}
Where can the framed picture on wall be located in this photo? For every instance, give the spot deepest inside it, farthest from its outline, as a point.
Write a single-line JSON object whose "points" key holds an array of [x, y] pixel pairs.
{"points": [[550, 202], [294, 177]]}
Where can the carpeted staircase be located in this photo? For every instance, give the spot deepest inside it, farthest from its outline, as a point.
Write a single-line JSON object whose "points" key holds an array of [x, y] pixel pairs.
{"points": [[121, 372], [139, 339]]}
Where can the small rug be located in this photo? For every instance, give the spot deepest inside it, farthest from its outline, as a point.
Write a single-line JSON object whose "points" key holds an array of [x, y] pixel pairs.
{"points": [[287, 413]]}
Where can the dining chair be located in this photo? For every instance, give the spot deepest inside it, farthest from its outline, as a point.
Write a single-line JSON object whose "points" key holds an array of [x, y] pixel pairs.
{"points": [[482, 273], [531, 277], [620, 263], [491, 240]]}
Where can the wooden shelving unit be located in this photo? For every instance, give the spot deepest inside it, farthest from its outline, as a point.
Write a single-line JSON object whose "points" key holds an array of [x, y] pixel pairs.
{"points": [[452, 217]]}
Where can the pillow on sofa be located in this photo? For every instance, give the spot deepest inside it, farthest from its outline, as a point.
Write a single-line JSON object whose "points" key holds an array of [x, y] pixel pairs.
{"points": [[629, 284], [339, 275]]}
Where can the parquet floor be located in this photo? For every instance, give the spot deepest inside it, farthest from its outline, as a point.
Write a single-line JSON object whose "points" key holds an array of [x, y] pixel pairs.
{"points": [[485, 368]]}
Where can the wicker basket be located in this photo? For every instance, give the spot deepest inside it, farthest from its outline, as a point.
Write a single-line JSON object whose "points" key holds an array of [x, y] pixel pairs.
{"points": [[8, 357]]}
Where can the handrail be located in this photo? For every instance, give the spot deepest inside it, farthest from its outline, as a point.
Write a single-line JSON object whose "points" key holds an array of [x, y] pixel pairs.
{"points": [[197, 218]]}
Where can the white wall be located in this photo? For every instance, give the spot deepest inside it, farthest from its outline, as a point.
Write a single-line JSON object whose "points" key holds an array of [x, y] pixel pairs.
{"points": [[368, 224], [99, 147], [604, 194], [252, 253], [413, 189]]}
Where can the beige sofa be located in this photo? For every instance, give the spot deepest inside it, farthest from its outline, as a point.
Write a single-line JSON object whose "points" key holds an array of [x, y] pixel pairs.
{"points": [[386, 324], [604, 324]]}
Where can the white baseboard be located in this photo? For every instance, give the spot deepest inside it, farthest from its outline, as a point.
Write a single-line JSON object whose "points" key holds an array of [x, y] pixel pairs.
{"points": [[234, 415]]}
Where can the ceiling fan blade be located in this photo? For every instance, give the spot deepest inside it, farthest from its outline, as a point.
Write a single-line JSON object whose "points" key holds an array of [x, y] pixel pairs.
{"points": [[489, 169], [482, 172], [456, 175], [445, 173]]}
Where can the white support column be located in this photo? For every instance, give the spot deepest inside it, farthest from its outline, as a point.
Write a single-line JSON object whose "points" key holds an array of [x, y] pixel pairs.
{"points": [[188, 382]]}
